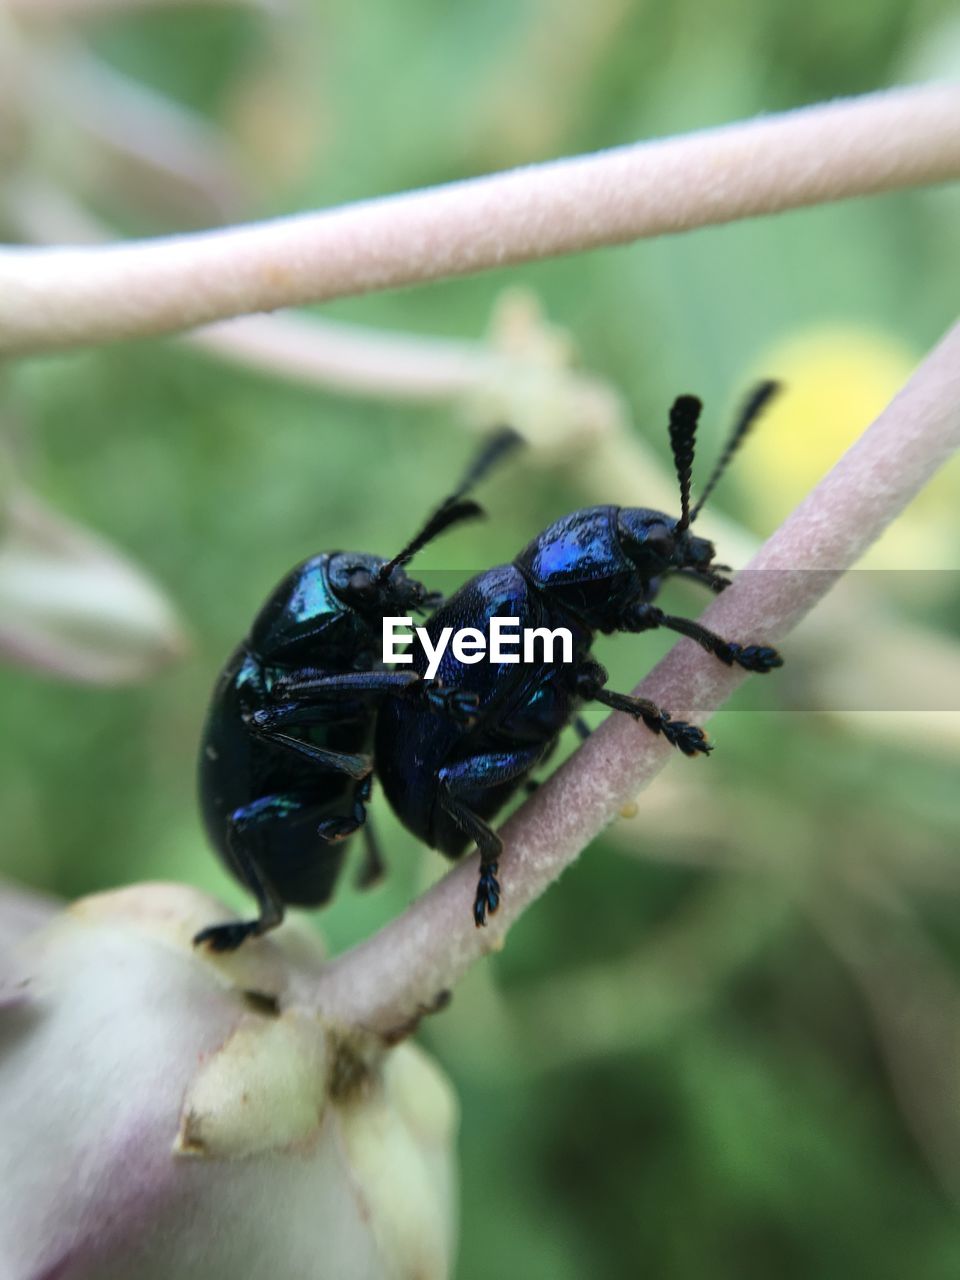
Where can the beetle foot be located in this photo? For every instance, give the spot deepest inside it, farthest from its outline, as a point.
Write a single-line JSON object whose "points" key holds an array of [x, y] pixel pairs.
{"points": [[686, 737], [759, 658], [488, 894], [432, 600], [333, 829], [226, 937], [459, 705]]}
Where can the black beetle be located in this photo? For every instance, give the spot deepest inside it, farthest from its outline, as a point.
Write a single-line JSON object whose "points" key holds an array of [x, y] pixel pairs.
{"points": [[284, 770], [598, 569]]}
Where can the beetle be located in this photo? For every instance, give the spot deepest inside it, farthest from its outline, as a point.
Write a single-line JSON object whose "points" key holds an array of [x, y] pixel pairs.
{"points": [[598, 569], [285, 771]]}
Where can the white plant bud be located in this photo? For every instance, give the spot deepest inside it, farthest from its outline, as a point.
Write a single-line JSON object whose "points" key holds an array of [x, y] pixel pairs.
{"points": [[169, 1113]]}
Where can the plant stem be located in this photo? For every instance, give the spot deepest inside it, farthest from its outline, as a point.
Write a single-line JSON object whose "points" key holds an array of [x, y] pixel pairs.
{"points": [[385, 981], [53, 298]]}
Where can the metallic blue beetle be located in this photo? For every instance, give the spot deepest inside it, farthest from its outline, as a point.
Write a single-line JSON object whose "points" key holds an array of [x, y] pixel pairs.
{"points": [[595, 570], [285, 772]]}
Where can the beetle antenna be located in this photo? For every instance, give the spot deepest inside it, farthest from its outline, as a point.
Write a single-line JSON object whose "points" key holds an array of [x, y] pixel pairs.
{"points": [[454, 510], [503, 441], [754, 405], [684, 416], [450, 513]]}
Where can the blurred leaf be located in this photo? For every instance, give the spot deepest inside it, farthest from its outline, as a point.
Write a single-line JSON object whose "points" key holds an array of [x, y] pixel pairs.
{"points": [[72, 606]]}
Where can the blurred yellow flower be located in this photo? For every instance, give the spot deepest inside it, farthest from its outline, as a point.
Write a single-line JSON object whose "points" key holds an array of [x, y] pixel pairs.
{"points": [[837, 379]]}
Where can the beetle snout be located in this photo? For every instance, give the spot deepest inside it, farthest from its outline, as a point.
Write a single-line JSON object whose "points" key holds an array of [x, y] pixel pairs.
{"points": [[698, 553], [407, 593]]}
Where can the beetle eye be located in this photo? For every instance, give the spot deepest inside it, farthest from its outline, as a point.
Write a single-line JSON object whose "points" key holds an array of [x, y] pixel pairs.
{"points": [[660, 543]]}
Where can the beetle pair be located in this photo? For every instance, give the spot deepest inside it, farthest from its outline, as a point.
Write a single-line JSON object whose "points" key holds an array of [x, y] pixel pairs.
{"points": [[285, 773], [285, 770]]}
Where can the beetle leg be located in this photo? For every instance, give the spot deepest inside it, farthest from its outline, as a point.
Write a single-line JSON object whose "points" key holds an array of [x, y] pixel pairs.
{"points": [[269, 723], [706, 577], [476, 774], [688, 738], [759, 658], [310, 686], [458, 704], [227, 937], [339, 828], [323, 690], [333, 830], [583, 729], [373, 865]]}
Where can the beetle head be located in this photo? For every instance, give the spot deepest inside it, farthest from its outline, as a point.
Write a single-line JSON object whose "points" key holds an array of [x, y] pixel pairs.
{"points": [[389, 578], [361, 582], [658, 544], [376, 587]]}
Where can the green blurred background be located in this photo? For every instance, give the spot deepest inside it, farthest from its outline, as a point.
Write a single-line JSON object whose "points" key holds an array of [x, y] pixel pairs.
{"points": [[725, 1043]]}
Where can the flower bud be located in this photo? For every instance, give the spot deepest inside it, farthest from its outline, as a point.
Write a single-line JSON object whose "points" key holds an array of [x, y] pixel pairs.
{"points": [[169, 1112]]}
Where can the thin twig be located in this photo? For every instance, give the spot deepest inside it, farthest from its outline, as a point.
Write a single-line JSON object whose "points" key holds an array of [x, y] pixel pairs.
{"points": [[913, 1000], [381, 983], [52, 298], [356, 361], [177, 155], [564, 410]]}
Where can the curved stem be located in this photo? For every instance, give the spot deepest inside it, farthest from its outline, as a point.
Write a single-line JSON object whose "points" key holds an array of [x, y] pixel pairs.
{"points": [[384, 981], [52, 298], [355, 361]]}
